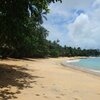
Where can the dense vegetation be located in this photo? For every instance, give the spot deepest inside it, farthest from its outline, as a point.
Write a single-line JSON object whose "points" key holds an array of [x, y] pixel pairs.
{"points": [[22, 34], [55, 50]]}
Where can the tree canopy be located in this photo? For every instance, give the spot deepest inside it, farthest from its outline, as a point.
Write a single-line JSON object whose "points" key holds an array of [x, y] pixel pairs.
{"points": [[20, 23], [22, 33]]}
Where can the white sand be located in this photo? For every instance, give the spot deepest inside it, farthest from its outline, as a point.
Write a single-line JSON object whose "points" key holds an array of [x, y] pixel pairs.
{"points": [[52, 81]]}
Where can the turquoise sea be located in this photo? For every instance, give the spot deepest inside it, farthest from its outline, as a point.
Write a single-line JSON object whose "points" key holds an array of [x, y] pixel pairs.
{"points": [[92, 64]]}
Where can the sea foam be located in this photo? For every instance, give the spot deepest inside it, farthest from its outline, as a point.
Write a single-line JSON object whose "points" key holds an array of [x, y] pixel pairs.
{"points": [[75, 60]]}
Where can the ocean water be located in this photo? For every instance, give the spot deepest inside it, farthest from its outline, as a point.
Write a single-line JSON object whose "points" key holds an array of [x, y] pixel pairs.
{"points": [[92, 64]]}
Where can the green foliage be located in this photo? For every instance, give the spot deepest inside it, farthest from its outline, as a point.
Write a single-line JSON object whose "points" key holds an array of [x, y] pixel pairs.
{"points": [[69, 51], [55, 50], [22, 35]]}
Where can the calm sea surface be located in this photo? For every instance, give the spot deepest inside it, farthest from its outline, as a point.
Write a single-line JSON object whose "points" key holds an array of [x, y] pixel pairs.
{"points": [[92, 64]]}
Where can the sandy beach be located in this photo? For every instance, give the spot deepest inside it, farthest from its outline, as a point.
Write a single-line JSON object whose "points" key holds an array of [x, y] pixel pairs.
{"points": [[45, 79]]}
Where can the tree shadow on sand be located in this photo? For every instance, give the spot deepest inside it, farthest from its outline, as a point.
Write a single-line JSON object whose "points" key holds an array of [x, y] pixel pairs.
{"points": [[15, 77]]}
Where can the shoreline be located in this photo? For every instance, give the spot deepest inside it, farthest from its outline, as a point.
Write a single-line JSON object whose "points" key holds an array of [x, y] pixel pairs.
{"points": [[46, 79], [79, 68], [84, 70]]}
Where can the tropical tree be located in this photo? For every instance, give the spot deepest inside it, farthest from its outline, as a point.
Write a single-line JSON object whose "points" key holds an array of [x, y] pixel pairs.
{"points": [[18, 19]]}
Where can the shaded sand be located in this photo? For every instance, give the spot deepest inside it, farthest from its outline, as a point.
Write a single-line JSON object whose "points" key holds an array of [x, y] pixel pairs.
{"points": [[45, 79]]}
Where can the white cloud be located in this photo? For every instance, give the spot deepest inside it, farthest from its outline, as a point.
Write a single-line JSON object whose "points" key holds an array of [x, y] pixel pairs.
{"points": [[72, 28], [85, 31], [96, 3], [78, 28], [79, 31]]}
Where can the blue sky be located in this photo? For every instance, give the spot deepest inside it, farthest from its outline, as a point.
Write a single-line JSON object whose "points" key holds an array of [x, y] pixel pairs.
{"points": [[75, 23]]}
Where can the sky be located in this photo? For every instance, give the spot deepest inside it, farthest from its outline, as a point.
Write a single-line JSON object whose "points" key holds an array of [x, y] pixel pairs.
{"points": [[75, 23]]}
